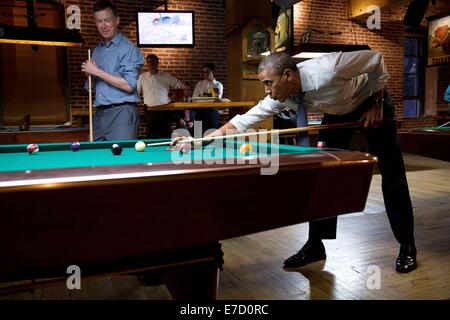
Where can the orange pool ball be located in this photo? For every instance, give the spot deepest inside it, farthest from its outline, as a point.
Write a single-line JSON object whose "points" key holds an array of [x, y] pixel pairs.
{"points": [[246, 149]]}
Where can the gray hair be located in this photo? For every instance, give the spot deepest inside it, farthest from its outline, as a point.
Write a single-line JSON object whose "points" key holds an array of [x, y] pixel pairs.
{"points": [[277, 62]]}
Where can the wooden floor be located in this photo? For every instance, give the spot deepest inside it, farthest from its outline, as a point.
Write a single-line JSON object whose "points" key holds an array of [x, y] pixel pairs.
{"points": [[253, 263]]}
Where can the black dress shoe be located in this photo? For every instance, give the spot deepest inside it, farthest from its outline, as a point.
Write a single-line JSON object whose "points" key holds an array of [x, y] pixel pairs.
{"points": [[406, 261], [311, 251]]}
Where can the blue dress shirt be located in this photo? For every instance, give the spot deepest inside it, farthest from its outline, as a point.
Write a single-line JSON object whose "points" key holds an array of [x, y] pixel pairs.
{"points": [[120, 57]]}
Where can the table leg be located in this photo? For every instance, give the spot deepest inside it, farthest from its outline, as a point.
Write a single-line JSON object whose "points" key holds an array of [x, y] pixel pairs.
{"points": [[198, 282]]}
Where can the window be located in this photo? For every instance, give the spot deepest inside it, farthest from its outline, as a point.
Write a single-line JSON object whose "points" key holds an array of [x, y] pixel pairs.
{"points": [[413, 75]]}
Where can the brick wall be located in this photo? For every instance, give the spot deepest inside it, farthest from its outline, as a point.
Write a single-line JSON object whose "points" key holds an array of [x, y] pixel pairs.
{"points": [[184, 63], [328, 16]]}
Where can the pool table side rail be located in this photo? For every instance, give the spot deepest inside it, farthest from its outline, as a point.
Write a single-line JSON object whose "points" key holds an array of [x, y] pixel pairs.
{"points": [[52, 226], [155, 172]]}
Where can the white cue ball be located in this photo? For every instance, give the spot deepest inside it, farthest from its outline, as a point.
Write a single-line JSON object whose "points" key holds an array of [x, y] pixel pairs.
{"points": [[140, 146]]}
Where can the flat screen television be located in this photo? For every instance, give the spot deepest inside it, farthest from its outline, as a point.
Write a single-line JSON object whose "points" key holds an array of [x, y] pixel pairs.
{"points": [[165, 29], [438, 40]]}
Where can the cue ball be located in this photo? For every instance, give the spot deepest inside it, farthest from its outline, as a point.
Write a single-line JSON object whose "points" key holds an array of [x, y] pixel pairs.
{"points": [[246, 149], [33, 148], [184, 147], [75, 146], [140, 146], [116, 149]]}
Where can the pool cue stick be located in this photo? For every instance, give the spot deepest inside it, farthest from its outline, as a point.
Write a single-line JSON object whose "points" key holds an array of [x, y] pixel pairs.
{"points": [[91, 133], [343, 125]]}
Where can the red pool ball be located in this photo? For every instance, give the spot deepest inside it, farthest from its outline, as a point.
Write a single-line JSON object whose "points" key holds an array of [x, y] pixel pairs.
{"points": [[33, 148], [321, 144]]}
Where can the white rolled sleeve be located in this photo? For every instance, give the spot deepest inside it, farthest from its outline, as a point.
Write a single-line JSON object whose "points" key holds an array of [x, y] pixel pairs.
{"points": [[264, 109]]}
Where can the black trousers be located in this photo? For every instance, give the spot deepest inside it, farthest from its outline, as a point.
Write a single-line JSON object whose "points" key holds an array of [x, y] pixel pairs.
{"points": [[384, 143], [159, 123], [210, 118]]}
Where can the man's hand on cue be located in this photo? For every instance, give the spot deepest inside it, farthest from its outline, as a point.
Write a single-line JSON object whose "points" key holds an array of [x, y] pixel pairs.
{"points": [[90, 67], [183, 139]]}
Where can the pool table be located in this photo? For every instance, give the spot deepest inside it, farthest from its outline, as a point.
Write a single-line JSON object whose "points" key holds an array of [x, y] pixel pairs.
{"points": [[433, 142], [147, 213]]}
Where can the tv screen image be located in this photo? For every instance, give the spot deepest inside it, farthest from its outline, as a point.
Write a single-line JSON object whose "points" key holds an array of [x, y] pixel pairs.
{"points": [[165, 29], [438, 40]]}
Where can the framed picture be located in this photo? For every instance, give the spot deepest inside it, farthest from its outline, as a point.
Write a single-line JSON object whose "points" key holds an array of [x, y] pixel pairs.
{"points": [[257, 41], [283, 21], [438, 40]]}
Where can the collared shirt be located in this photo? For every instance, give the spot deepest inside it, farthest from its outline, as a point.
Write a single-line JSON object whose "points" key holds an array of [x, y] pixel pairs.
{"points": [[120, 57], [155, 87], [204, 85], [335, 83]]}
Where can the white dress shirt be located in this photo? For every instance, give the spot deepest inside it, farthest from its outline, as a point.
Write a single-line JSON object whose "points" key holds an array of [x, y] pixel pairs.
{"points": [[335, 83], [155, 87], [202, 86]]}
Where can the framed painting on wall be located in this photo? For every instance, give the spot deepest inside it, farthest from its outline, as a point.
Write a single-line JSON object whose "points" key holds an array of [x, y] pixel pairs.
{"points": [[438, 40], [257, 42], [283, 22]]}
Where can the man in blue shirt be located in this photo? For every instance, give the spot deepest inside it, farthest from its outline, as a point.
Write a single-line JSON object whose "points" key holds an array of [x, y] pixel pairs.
{"points": [[114, 67]]}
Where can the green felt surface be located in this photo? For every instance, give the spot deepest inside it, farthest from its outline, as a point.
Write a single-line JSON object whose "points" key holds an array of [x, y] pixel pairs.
{"points": [[59, 155], [438, 128]]}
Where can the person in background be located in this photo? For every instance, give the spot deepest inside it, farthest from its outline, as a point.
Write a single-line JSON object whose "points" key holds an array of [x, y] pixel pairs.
{"points": [[187, 122], [154, 85], [208, 87], [114, 67]]}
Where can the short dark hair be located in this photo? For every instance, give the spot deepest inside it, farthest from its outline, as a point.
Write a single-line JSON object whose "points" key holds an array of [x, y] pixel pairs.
{"points": [[210, 66], [104, 4], [153, 56], [277, 62]]}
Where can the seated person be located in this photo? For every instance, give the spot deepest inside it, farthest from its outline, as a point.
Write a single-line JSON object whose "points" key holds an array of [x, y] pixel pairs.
{"points": [[154, 86], [187, 121], [208, 87]]}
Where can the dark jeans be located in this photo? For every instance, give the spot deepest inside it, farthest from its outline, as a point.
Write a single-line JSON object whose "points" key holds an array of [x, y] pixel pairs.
{"points": [[159, 123], [210, 118], [384, 143]]}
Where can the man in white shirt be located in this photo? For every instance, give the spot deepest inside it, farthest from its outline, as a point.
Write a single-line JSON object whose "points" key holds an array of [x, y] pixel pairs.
{"points": [[209, 117], [345, 87], [154, 85]]}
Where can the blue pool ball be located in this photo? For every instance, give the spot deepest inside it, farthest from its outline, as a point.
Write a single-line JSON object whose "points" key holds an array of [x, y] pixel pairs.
{"points": [[116, 149], [75, 146]]}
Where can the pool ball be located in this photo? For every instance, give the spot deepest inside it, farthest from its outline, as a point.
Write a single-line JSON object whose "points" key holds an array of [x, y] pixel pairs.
{"points": [[321, 144], [33, 148], [184, 147], [75, 146], [246, 149], [116, 149], [140, 146]]}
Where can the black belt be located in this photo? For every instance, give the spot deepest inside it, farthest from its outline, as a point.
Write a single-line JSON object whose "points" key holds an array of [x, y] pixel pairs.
{"points": [[107, 106]]}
